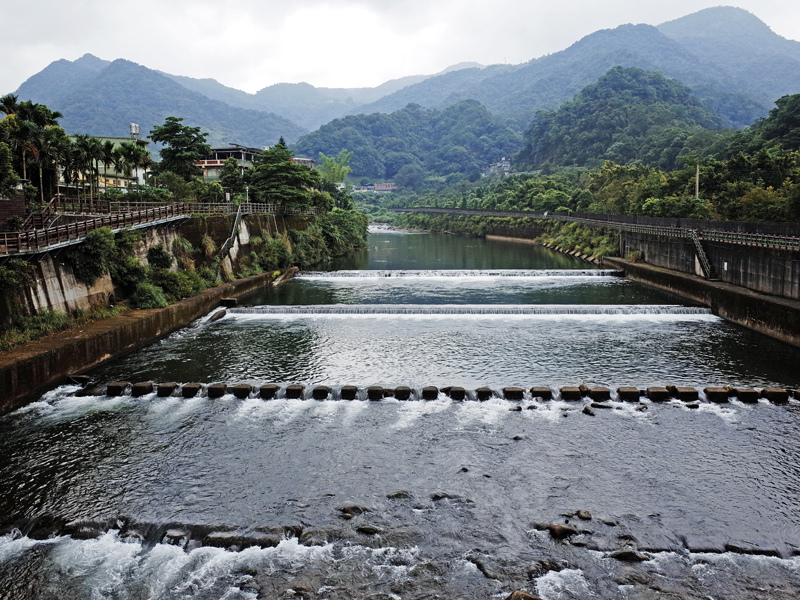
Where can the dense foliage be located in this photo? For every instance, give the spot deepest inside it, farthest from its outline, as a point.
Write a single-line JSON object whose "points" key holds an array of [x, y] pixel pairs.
{"points": [[414, 141], [628, 115]]}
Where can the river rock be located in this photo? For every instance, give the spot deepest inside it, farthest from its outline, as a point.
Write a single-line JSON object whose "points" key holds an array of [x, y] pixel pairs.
{"points": [[584, 389], [584, 515], [268, 391], [520, 595], [628, 555], [693, 405], [141, 388], [368, 530], [399, 495], [402, 392], [545, 393], [352, 509], [557, 530], [217, 315], [587, 410], [601, 405]]}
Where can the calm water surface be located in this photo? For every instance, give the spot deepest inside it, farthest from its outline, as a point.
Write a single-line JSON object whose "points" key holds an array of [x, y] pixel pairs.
{"points": [[198, 498]]}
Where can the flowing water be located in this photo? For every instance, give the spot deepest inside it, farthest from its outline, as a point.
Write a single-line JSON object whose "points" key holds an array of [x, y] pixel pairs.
{"points": [[170, 497]]}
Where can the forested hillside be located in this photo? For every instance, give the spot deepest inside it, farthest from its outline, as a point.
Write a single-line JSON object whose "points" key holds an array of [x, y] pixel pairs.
{"points": [[413, 142], [628, 115]]}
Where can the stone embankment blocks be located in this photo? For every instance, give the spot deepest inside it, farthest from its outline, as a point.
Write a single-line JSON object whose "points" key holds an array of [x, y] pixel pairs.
{"points": [[599, 396]]}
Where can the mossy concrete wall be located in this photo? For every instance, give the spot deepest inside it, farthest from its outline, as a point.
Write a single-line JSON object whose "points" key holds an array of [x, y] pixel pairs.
{"points": [[769, 270], [771, 315], [30, 370], [56, 288]]}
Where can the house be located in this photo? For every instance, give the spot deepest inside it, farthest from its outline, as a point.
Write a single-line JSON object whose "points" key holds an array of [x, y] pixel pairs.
{"points": [[212, 164], [309, 162], [385, 188]]}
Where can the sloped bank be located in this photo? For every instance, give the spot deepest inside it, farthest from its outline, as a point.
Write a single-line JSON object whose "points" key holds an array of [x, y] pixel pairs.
{"points": [[30, 370], [771, 315]]}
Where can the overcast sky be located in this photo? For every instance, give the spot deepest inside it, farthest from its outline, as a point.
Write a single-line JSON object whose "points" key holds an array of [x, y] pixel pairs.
{"points": [[250, 44]]}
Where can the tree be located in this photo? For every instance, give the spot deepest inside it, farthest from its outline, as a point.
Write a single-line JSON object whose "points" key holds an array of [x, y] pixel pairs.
{"points": [[183, 146], [275, 177], [335, 170], [230, 176], [8, 178]]}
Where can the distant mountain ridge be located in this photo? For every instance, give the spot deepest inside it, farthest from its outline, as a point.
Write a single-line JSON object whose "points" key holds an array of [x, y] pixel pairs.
{"points": [[730, 60]]}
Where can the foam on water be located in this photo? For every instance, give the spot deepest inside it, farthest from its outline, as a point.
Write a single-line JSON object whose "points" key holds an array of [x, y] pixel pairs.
{"points": [[459, 273], [560, 585], [413, 410], [495, 310]]}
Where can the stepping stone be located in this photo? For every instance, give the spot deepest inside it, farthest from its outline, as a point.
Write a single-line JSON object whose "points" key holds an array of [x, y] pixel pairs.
{"points": [[116, 388], [483, 393], [598, 394], [776, 395], [166, 389], [216, 390], [268, 391], [375, 392], [190, 390], [628, 394], [241, 390], [658, 394], [513, 393], [141, 388], [545, 393], [430, 393], [570, 393], [294, 391], [402, 393], [748, 395], [321, 392], [457, 393], [348, 392], [718, 395], [686, 394]]}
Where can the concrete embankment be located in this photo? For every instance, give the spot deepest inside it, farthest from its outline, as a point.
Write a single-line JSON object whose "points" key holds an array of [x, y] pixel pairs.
{"points": [[771, 315], [30, 370]]}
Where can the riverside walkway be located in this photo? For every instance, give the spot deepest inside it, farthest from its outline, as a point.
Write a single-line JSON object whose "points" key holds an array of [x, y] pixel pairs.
{"points": [[117, 216]]}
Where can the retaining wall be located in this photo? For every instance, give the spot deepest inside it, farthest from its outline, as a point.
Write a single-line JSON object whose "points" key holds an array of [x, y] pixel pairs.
{"points": [[770, 315], [30, 370]]}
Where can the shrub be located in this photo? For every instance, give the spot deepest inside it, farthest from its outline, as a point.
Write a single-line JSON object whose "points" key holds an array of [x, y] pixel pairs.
{"points": [[90, 259], [148, 295], [175, 285], [159, 258]]}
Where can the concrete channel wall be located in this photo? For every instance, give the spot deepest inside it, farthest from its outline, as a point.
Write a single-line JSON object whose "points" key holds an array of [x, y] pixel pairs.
{"points": [[30, 370], [771, 315], [768, 270]]}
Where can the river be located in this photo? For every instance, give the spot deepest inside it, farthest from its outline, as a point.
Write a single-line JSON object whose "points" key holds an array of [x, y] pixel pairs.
{"points": [[151, 497]]}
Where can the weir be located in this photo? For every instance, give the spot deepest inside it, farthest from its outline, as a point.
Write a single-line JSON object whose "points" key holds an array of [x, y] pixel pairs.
{"points": [[376, 274], [421, 309]]}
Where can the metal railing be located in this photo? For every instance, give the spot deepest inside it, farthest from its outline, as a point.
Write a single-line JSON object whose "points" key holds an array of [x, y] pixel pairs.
{"points": [[765, 235], [37, 240]]}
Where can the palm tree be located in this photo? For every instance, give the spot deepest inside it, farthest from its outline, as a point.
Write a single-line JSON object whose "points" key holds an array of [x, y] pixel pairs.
{"points": [[109, 158]]}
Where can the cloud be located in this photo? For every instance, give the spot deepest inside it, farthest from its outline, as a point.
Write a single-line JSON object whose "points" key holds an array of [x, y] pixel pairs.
{"points": [[344, 43]]}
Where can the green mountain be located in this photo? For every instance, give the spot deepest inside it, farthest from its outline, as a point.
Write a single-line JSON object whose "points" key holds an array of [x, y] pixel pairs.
{"points": [[738, 66], [101, 98], [629, 115], [463, 138]]}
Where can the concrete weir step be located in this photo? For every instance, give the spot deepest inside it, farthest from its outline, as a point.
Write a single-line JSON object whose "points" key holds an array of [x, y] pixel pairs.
{"points": [[690, 396]]}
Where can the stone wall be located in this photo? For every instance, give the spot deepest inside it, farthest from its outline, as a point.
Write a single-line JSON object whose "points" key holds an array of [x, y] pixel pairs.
{"points": [[56, 287]]}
